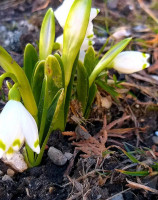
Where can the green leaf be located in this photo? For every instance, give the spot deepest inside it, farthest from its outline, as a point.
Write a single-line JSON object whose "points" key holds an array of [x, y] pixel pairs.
{"points": [[74, 34], [92, 94], [110, 90], [59, 117], [68, 90], [52, 84], [9, 65], [137, 173], [30, 60], [38, 80], [107, 58], [62, 67], [90, 60], [41, 103], [53, 75], [48, 128], [47, 35], [82, 85]]}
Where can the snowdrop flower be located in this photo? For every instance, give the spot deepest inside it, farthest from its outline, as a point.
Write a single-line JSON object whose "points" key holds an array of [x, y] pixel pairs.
{"points": [[16, 126], [128, 62], [61, 14]]}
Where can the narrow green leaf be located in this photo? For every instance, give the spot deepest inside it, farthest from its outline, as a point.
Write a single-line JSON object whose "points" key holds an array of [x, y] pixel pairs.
{"points": [[30, 60], [58, 119], [107, 58], [110, 90], [132, 158], [68, 90], [137, 173], [90, 60], [52, 110], [53, 83], [47, 35], [82, 85], [58, 57], [92, 94], [37, 80], [48, 128]]}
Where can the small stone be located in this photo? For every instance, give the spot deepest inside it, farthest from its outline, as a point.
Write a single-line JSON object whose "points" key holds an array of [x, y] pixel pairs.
{"points": [[68, 155], [6, 178], [117, 197], [51, 189], [155, 139], [56, 156], [106, 102], [137, 106], [16, 162], [10, 172], [156, 133]]}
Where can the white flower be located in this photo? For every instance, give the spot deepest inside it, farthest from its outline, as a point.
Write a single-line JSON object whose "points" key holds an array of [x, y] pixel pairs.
{"points": [[16, 126], [61, 14], [128, 62]]}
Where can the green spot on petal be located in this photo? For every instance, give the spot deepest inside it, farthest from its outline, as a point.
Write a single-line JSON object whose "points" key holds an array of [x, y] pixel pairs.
{"points": [[2, 145], [36, 143], [144, 66], [90, 36], [144, 55], [10, 151], [98, 10], [90, 42], [16, 143]]}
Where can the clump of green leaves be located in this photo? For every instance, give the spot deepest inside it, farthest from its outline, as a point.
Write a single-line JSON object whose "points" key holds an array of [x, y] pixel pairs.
{"points": [[46, 81]]}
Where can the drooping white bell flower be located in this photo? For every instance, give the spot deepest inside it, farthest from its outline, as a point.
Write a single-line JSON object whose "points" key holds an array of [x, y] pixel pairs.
{"points": [[128, 62], [16, 126], [61, 14]]}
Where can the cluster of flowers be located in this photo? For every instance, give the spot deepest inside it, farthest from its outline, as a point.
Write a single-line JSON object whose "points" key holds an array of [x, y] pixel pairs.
{"points": [[17, 124]]}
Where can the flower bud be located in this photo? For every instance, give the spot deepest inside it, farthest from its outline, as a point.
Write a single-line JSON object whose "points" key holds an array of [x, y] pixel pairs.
{"points": [[128, 62]]}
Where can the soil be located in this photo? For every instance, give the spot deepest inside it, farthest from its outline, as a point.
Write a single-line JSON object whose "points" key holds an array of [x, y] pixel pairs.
{"points": [[88, 178]]}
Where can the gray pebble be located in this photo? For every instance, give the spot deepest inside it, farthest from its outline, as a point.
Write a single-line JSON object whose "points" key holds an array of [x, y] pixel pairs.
{"points": [[56, 156], [155, 139], [6, 178], [68, 155], [156, 133], [117, 197]]}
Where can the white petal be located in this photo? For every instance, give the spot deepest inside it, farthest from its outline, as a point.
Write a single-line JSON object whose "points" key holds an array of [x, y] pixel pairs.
{"points": [[30, 130], [18, 142], [82, 55], [9, 125], [93, 14], [62, 11], [61, 14], [130, 61], [15, 124]]}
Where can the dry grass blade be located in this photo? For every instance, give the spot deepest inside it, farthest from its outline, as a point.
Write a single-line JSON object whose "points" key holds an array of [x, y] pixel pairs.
{"points": [[120, 120], [40, 5], [134, 185], [122, 131], [147, 10]]}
